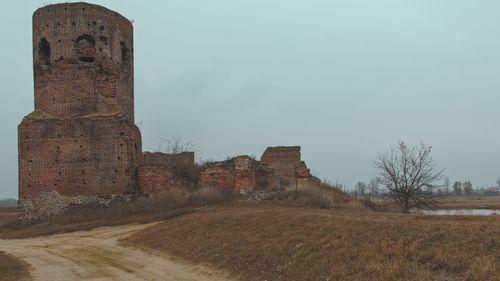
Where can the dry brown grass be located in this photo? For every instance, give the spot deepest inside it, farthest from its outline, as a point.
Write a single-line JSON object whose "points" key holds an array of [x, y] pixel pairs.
{"points": [[12, 269], [278, 243]]}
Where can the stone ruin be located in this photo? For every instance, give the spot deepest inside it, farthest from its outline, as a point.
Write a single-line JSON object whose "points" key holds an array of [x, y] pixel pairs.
{"points": [[280, 168], [241, 174], [161, 171], [287, 163], [81, 144]]}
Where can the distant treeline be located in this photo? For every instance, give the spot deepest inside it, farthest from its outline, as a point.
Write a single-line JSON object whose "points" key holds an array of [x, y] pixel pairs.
{"points": [[373, 188], [8, 202]]}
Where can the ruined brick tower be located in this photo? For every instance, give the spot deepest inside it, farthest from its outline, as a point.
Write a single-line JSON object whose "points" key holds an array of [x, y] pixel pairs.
{"points": [[81, 138]]}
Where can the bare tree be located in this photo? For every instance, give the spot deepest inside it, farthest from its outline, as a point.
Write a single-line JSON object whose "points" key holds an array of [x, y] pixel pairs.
{"points": [[498, 182], [468, 189], [446, 185], [176, 146], [457, 188], [409, 175], [180, 161], [373, 187], [360, 189]]}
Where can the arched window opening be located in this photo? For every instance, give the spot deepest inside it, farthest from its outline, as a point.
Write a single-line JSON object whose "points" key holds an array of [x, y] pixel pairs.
{"points": [[44, 51], [124, 52], [85, 48]]}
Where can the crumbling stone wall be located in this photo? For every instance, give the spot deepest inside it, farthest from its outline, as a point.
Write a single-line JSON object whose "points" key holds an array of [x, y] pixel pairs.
{"points": [[154, 179], [282, 159], [81, 138], [220, 174], [159, 174], [265, 178], [239, 174], [244, 173], [50, 205], [287, 164], [304, 179]]}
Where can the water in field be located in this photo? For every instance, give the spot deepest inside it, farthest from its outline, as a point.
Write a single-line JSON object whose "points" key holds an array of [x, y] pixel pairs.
{"points": [[471, 212]]}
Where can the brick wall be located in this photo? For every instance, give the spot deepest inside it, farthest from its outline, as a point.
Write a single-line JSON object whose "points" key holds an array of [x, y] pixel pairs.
{"points": [[219, 174], [286, 163], [266, 178], [158, 174], [282, 159], [153, 179], [244, 173], [78, 156], [241, 173]]}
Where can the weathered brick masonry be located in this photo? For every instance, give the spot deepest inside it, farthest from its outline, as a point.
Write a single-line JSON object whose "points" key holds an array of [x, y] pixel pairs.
{"points": [[287, 164], [239, 174], [81, 139], [158, 172]]}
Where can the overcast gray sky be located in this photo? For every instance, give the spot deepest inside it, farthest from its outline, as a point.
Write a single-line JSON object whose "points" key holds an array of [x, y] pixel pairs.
{"points": [[343, 79]]}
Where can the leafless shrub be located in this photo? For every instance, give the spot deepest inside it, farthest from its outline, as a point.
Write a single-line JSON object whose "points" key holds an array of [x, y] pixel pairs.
{"points": [[180, 161], [176, 146]]}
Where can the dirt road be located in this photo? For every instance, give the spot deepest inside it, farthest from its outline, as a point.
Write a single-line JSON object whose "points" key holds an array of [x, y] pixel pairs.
{"points": [[97, 255]]}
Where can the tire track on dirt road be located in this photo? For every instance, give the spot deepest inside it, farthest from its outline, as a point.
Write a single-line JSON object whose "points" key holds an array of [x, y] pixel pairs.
{"points": [[97, 255]]}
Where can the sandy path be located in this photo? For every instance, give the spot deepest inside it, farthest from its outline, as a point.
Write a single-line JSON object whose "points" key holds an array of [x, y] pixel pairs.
{"points": [[96, 255]]}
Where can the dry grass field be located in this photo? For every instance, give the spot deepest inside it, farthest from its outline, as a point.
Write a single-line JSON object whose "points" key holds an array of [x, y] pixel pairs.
{"points": [[291, 243]]}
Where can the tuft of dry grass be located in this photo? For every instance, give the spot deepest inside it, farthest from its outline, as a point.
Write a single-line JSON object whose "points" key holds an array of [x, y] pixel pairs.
{"points": [[278, 243], [13, 269]]}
